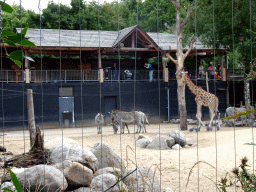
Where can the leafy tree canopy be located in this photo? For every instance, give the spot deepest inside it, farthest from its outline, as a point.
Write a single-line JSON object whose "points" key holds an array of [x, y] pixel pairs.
{"points": [[227, 25]]}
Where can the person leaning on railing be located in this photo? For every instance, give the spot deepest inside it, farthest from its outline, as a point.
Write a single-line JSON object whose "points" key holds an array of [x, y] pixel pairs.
{"points": [[201, 71], [151, 71], [211, 71], [114, 71]]}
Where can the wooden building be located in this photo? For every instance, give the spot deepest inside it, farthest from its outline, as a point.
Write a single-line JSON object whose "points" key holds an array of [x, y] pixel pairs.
{"points": [[77, 78], [90, 46]]}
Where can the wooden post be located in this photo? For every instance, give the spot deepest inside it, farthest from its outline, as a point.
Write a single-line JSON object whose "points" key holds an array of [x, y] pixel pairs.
{"points": [[27, 63], [27, 76], [101, 75], [166, 75], [31, 117]]}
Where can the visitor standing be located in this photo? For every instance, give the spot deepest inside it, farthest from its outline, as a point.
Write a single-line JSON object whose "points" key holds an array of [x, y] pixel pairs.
{"points": [[114, 71], [211, 71], [201, 71], [151, 71]]}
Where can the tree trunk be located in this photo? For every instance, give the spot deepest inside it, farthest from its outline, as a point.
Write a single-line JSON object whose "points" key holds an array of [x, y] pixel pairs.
{"points": [[180, 78], [180, 62], [182, 103], [247, 98], [31, 117]]}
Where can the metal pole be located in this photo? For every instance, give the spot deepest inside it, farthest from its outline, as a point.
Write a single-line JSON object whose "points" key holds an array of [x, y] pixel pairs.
{"points": [[168, 99]]}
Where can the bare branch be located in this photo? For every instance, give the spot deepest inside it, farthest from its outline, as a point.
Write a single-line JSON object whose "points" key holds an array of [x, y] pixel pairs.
{"points": [[189, 11], [171, 29], [190, 48], [174, 3], [172, 59]]}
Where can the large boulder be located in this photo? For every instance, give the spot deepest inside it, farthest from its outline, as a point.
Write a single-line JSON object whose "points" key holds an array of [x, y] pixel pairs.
{"points": [[106, 181], [141, 136], [159, 142], [168, 189], [41, 178], [170, 142], [8, 185], [142, 179], [74, 153], [106, 156], [176, 146], [78, 175], [142, 143], [190, 142], [51, 143], [179, 137], [63, 165], [84, 189], [112, 170]]}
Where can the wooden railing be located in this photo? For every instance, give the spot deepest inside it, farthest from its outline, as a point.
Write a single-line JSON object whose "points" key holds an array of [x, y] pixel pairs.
{"points": [[54, 76]]}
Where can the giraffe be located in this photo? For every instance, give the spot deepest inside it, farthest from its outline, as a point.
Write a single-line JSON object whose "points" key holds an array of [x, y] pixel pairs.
{"points": [[203, 98]]}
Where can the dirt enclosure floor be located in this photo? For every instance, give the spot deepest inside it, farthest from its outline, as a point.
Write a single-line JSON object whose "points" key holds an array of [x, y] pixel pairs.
{"points": [[222, 149]]}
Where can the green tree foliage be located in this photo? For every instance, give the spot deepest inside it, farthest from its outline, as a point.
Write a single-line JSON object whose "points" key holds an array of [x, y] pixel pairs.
{"points": [[56, 16], [14, 39], [91, 16], [215, 26]]}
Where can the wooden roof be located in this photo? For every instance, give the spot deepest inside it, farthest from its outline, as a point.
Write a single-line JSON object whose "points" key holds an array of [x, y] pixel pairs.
{"points": [[128, 40]]}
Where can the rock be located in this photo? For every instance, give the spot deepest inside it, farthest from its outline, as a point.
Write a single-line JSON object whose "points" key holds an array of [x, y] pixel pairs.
{"points": [[106, 156], [175, 121], [144, 177], [51, 143], [41, 178], [189, 142], [84, 189], [112, 170], [8, 185], [170, 142], [159, 142], [104, 182], [5, 156], [142, 143], [176, 146], [63, 165], [74, 153], [78, 175], [141, 136], [168, 189], [179, 137]]}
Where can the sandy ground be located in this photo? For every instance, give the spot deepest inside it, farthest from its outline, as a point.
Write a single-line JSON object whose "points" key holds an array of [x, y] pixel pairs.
{"points": [[223, 150]]}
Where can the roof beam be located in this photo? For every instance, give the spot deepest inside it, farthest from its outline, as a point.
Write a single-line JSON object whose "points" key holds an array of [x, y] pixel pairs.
{"points": [[134, 49]]}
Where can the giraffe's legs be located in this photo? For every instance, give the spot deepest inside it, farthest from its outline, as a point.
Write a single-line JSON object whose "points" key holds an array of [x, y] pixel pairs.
{"points": [[199, 115], [212, 115]]}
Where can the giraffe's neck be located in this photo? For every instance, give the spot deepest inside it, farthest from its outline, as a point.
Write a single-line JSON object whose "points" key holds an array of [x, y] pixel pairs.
{"points": [[192, 87]]}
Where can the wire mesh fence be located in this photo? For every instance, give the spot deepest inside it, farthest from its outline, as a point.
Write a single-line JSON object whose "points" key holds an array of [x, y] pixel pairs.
{"points": [[111, 154]]}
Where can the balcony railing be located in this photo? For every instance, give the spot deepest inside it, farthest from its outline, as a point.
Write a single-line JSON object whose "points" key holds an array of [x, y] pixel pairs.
{"points": [[12, 76], [54, 76]]}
